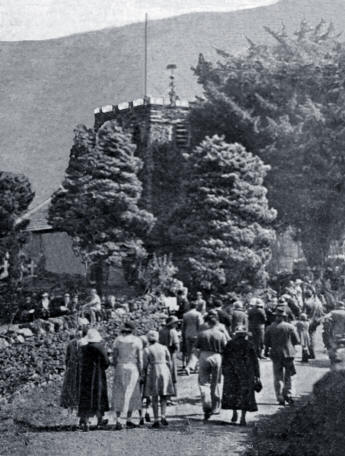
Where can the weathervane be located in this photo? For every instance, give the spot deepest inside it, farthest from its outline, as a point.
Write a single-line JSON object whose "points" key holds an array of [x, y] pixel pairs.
{"points": [[172, 88]]}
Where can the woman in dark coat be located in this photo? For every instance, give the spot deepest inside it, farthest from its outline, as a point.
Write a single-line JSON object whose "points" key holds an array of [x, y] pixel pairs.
{"points": [[241, 372], [93, 399], [71, 383]]}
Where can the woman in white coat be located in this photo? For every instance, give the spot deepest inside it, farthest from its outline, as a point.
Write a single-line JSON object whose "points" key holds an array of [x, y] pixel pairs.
{"points": [[128, 364]]}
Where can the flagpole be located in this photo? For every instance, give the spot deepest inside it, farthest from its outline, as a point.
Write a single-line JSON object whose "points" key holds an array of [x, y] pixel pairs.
{"points": [[145, 57]]}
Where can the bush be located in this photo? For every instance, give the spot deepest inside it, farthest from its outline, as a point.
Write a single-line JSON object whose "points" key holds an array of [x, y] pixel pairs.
{"points": [[157, 275]]}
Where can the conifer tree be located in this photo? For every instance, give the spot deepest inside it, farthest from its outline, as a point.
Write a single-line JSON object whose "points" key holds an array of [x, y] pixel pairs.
{"points": [[98, 203], [68, 209], [15, 196], [224, 228], [286, 102], [117, 224]]}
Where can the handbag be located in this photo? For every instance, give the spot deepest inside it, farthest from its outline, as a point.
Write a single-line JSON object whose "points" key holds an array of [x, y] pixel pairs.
{"points": [[257, 385]]}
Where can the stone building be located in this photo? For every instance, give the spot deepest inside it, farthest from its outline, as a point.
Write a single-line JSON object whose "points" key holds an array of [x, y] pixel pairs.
{"points": [[153, 122]]}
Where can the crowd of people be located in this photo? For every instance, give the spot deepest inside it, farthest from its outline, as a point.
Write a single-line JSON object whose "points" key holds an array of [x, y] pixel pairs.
{"points": [[221, 341]]}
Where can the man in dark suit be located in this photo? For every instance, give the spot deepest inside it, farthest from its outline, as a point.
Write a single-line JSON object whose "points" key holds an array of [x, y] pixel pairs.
{"points": [[257, 320], [223, 316], [281, 338]]}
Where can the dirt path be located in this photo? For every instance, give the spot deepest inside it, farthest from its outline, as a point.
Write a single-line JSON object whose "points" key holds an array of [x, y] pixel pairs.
{"points": [[186, 434]]}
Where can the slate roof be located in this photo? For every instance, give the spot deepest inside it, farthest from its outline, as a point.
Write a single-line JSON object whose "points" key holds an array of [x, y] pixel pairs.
{"points": [[38, 217]]}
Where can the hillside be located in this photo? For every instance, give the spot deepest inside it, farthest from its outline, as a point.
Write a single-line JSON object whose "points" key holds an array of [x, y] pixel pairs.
{"points": [[47, 87]]}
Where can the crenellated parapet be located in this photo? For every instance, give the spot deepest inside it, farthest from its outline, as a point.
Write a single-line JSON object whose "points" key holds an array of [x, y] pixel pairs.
{"points": [[149, 101], [151, 119]]}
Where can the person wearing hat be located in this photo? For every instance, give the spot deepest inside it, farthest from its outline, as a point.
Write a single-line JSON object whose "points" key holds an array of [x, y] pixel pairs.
{"points": [[158, 382], [239, 316], [223, 316], [168, 336], [93, 398], [334, 323], [212, 313], [128, 366], [241, 372], [71, 384], [283, 303], [210, 343], [281, 338], [257, 320]]}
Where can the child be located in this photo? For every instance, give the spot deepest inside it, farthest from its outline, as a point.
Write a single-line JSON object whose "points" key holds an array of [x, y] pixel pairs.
{"points": [[303, 332]]}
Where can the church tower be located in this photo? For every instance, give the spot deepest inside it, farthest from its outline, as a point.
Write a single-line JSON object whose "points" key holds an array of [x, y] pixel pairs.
{"points": [[154, 123]]}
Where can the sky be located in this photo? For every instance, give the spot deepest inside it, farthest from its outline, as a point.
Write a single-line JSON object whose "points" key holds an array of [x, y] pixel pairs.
{"points": [[45, 19]]}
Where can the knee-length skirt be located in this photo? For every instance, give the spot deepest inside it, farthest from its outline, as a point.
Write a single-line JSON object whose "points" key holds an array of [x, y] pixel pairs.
{"points": [[126, 388], [158, 381]]}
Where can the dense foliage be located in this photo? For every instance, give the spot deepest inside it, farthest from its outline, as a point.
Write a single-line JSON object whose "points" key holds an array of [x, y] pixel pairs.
{"points": [[15, 196], [223, 229], [315, 427], [158, 274], [68, 210], [286, 102], [98, 205]]}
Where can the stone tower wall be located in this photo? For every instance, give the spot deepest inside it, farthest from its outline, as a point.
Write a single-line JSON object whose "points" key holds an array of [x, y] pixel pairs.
{"points": [[151, 120]]}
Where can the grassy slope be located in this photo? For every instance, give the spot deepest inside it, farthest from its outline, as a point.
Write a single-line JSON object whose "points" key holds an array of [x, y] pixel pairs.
{"points": [[47, 87]]}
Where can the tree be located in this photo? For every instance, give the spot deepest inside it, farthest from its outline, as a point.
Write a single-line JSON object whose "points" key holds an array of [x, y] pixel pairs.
{"points": [[99, 203], [117, 225], [69, 209], [15, 196], [224, 228], [286, 102]]}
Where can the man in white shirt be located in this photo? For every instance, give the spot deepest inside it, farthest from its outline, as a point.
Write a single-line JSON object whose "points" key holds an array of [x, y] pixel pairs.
{"points": [[93, 307]]}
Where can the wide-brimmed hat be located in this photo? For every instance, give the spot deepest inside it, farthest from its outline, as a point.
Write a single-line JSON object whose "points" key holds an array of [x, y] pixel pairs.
{"points": [[152, 336], [93, 335], [238, 305], [260, 303], [171, 320], [128, 326]]}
